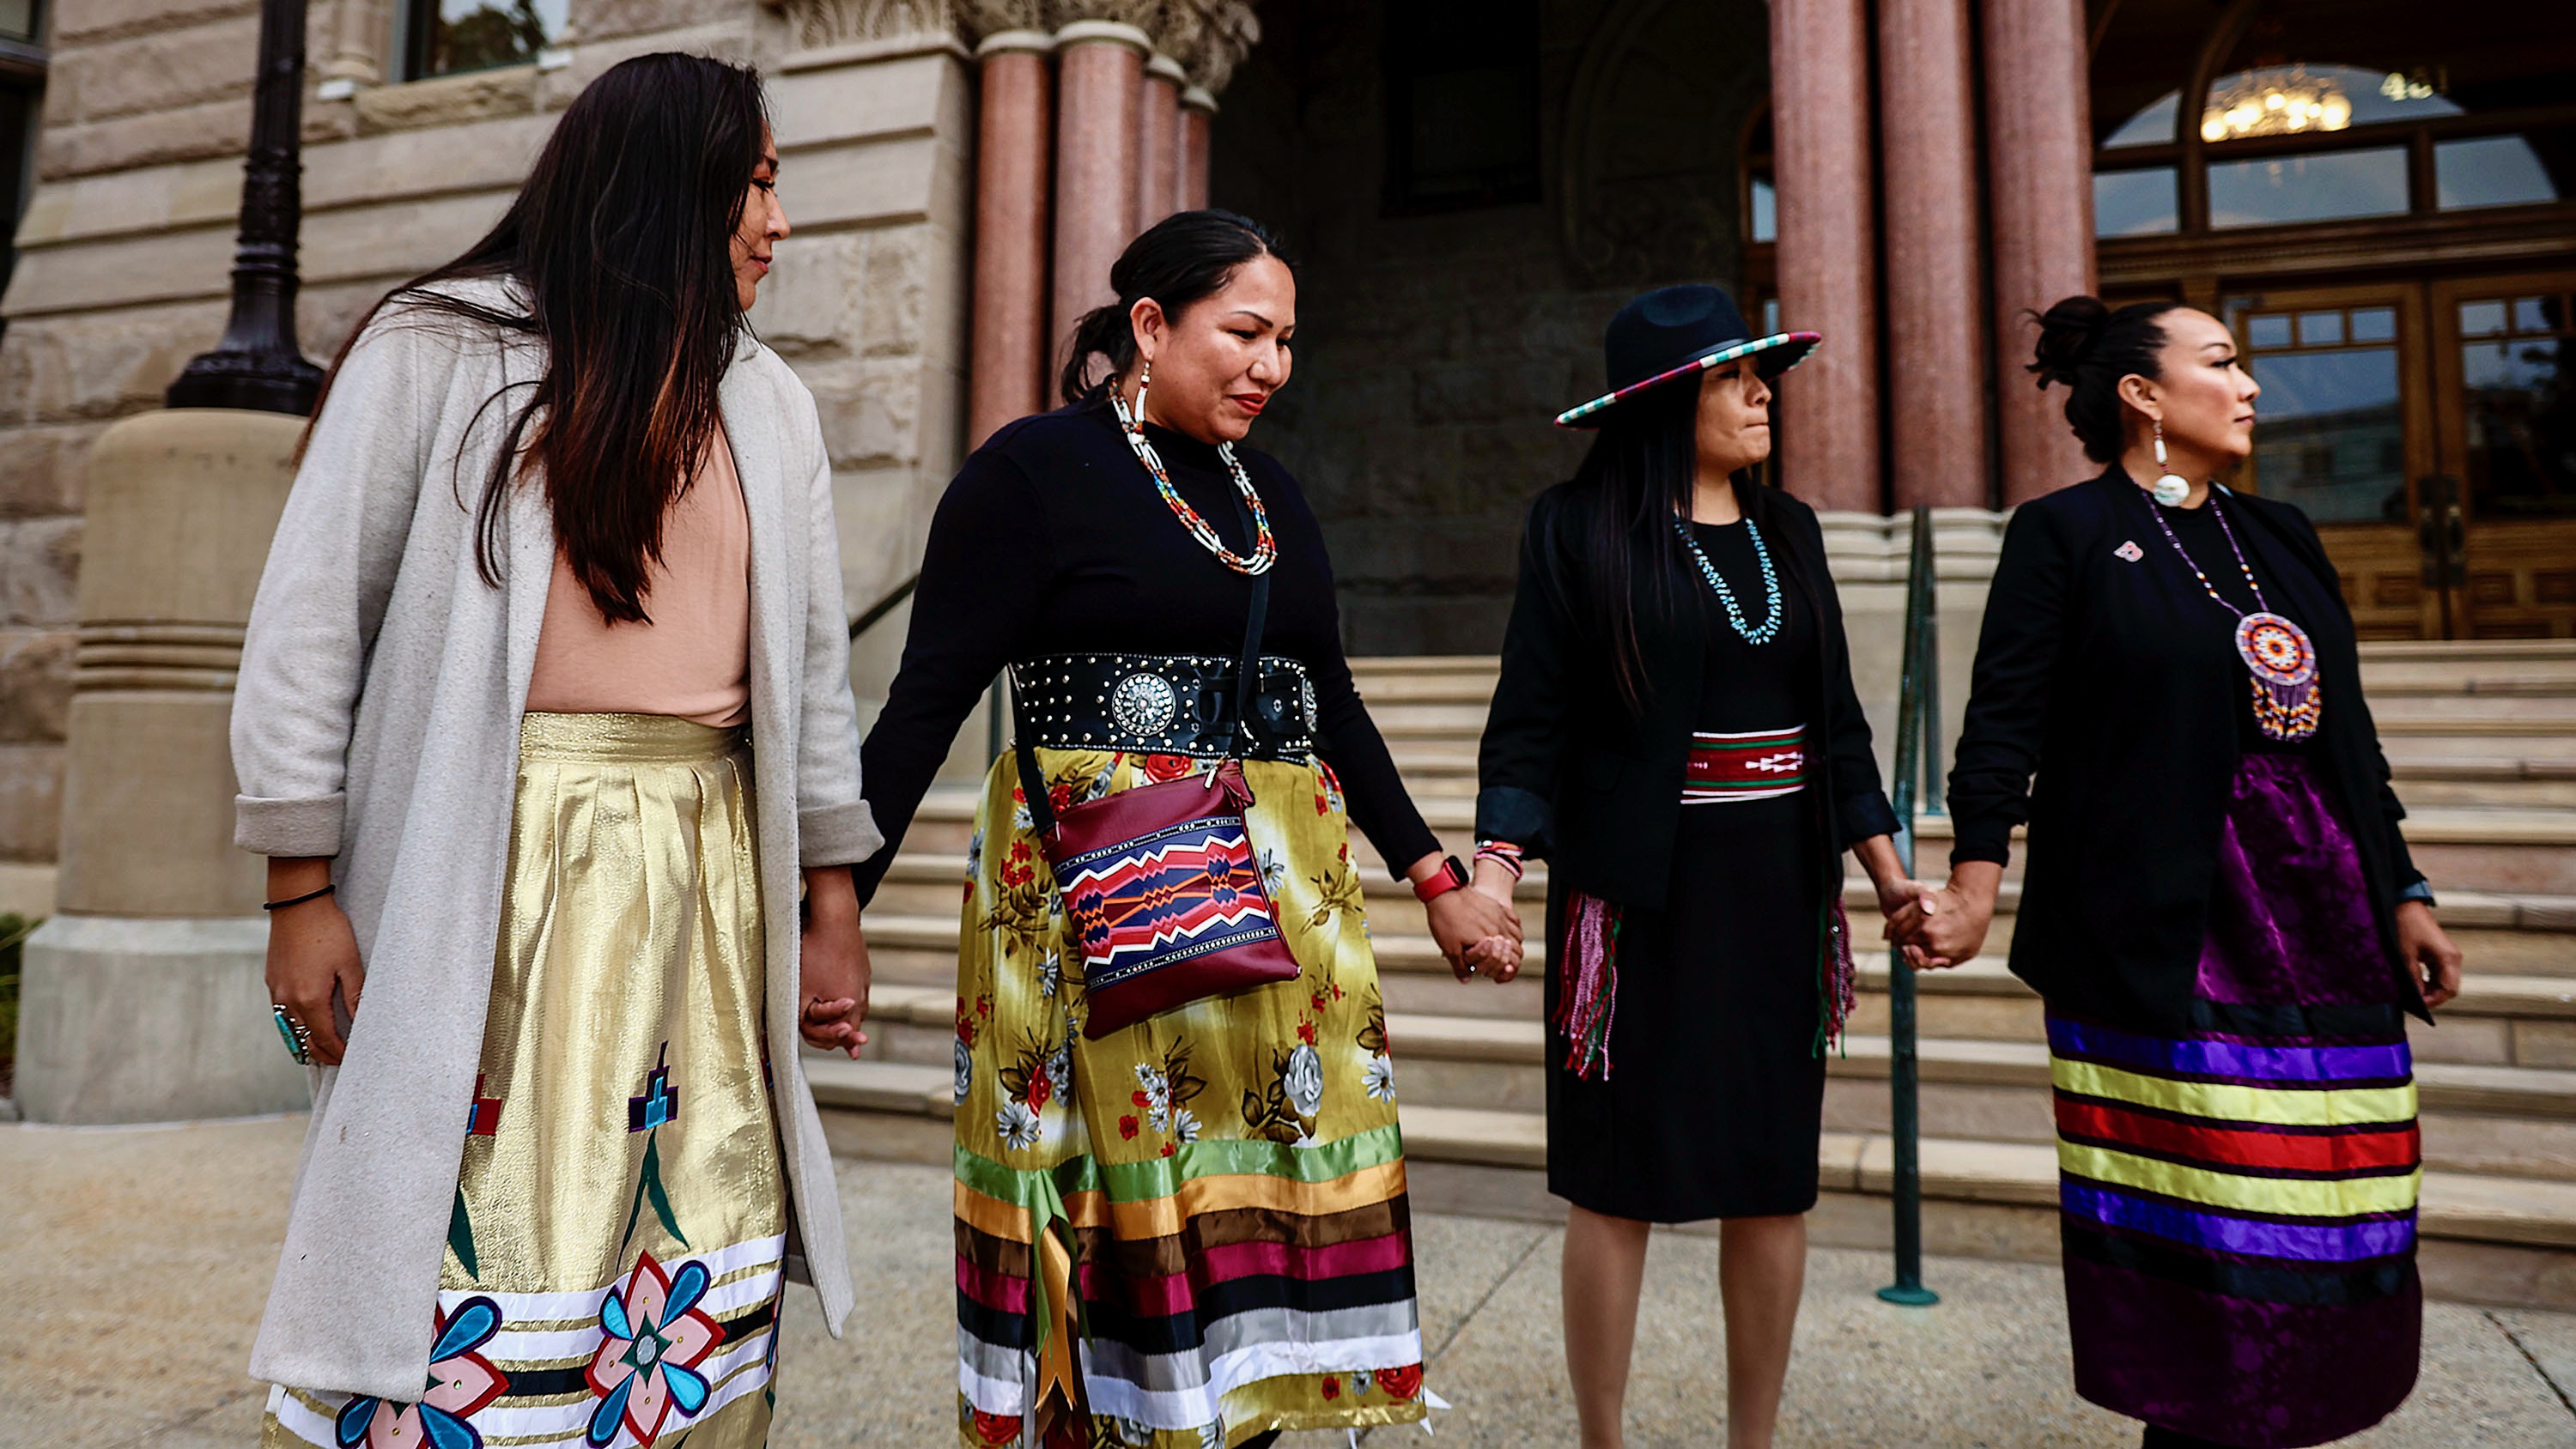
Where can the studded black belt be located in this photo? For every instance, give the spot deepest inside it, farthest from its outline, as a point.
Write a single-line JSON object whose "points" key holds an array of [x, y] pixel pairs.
{"points": [[1169, 704]]}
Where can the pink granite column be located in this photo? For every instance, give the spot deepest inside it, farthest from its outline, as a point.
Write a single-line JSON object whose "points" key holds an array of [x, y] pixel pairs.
{"points": [[1936, 380], [1198, 119], [1820, 109], [2039, 175], [1158, 142], [1008, 365], [1100, 70]]}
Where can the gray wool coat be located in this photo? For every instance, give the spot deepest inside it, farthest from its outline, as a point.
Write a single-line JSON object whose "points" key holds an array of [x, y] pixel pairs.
{"points": [[377, 723]]}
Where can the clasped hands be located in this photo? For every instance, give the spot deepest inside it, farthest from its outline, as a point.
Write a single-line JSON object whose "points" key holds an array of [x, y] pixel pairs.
{"points": [[1479, 932]]}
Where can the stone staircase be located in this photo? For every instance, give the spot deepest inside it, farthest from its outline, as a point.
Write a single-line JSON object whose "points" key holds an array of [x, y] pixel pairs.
{"points": [[2483, 742]]}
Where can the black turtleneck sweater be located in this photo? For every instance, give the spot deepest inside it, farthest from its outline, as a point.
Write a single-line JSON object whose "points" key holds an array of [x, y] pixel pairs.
{"points": [[1054, 540]]}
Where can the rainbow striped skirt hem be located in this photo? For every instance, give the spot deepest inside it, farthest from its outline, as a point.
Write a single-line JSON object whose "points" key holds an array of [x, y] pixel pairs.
{"points": [[2238, 1203]]}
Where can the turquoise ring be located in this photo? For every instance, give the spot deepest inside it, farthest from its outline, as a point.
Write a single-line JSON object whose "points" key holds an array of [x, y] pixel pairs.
{"points": [[298, 1036]]}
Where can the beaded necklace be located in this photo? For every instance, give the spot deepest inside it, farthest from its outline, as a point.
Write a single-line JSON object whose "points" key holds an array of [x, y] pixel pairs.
{"points": [[1265, 549], [1769, 629], [2276, 652]]}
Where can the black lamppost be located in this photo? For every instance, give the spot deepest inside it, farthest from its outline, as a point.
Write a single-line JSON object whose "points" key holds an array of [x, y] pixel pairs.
{"points": [[258, 365]]}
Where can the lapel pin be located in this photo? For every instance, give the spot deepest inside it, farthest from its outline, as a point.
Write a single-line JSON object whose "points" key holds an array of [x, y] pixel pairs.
{"points": [[2129, 552]]}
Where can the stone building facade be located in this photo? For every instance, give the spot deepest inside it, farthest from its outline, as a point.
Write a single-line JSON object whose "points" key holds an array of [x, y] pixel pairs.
{"points": [[124, 251], [1474, 185]]}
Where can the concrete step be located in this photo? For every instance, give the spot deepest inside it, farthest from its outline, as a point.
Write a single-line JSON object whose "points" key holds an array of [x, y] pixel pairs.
{"points": [[2487, 1239], [2497, 666], [2496, 1117], [2506, 851], [2539, 711]]}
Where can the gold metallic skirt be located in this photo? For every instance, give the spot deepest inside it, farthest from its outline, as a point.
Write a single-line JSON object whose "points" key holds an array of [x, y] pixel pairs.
{"points": [[614, 1258]]}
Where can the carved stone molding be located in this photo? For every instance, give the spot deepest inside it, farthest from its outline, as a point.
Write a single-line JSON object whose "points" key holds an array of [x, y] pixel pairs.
{"points": [[1208, 37], [820, 24]]}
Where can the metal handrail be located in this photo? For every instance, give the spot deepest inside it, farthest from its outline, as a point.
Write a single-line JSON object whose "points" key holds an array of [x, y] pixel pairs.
{"points": [[874, 614], [1917, 753]]}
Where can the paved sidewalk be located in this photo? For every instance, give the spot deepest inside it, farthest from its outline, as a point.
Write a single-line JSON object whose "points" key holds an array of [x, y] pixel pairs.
{"points": [[139, 1259]]}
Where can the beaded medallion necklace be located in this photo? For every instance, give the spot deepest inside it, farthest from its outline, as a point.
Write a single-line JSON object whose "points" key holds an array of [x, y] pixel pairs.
{"points": [[2277, 652], [1769, 629], [1265, 549]]}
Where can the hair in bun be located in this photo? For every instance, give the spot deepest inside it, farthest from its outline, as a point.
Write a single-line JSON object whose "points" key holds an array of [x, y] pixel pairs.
{"points": [[2089, 347]]}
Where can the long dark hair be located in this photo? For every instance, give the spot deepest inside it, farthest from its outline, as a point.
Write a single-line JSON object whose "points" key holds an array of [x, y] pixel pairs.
{"points": [[621, 239], [2089, 347], [1186, 257], [1641, 474]]}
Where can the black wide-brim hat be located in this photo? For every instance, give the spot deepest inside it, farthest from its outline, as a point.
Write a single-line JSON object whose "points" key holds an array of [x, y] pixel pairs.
{"points": [[1673, 332]]}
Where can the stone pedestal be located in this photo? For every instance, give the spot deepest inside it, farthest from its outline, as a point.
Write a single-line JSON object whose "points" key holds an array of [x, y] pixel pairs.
{"points": [[143, 998]]}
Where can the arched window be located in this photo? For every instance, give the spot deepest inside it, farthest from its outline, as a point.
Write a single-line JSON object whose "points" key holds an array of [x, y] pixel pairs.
{"points": [[2283, 112]]}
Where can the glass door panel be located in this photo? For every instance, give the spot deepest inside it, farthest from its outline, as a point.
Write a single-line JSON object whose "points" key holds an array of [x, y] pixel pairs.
{"points": [[2341, 434], [2507, 366]]}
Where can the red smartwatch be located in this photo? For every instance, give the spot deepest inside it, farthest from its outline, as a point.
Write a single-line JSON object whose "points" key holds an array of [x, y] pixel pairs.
{"points": [[1449, 877]]}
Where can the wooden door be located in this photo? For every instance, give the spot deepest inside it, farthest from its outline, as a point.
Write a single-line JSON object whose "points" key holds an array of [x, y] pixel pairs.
{"points": [[2346, 433], [2504, 366]]}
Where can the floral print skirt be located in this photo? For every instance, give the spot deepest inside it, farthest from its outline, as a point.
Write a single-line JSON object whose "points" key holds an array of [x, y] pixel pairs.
{"points": [[1194, 1229], [614, 1258]]}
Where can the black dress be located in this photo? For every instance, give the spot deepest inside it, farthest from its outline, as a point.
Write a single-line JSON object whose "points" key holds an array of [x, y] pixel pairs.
{"points": [[1715, 1095]]}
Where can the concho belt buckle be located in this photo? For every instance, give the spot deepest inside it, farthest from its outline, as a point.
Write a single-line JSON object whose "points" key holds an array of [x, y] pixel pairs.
{"points": [[1144, 704]]}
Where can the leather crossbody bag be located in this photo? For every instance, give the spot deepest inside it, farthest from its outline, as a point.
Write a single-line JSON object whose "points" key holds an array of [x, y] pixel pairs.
{"points": [[1163, 896]]}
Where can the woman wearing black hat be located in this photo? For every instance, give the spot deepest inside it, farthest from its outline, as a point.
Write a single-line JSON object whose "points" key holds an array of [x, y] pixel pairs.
{"points": [[1675, 731]]}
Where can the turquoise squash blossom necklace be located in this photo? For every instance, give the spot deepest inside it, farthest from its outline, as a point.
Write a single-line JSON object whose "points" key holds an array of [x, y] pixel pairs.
{"points": [[1769, 628]]}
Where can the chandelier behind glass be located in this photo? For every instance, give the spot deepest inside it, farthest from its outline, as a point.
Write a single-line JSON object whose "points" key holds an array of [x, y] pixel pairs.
{"points": [[2275, 101]]}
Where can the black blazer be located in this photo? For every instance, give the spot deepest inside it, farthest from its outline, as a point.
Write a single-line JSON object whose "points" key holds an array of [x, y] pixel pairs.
{"points": [[2130, 723], [1569, 775]]}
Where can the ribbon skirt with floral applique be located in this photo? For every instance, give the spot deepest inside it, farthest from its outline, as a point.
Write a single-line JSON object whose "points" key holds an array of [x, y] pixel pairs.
{"points": [[614, 1258], [1197, 1224]]}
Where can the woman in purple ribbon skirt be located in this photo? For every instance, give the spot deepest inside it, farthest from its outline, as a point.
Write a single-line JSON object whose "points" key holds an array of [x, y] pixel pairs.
{"points": [[2218, 910], [1676, 733]]}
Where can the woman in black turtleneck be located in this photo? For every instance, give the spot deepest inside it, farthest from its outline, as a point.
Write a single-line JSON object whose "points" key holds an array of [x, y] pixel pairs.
{"points": [[1229, 1171]]}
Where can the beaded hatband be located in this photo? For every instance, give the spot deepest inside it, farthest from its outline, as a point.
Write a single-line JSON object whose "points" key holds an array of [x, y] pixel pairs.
{"points": [[1265, 549], [2278, 653], [1769, 629]]}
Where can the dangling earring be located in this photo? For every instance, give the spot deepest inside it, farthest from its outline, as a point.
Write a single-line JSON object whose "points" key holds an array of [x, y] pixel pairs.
{"points": [[2168, 490], [1134, 420]]}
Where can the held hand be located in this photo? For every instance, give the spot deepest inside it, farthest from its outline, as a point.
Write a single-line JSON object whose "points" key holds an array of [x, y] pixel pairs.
{"points": [[1463, 922], [2429, 952], [835, 967], [1895, 890], [313, 958], [1949, 926], [1496, 958]]}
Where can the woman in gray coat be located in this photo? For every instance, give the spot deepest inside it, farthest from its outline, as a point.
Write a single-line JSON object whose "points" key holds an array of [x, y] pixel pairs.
{"points": [[544, 708]]}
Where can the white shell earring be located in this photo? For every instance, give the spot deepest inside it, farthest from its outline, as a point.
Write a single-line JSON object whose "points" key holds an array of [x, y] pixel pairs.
{"points": [[2167, 490]]}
